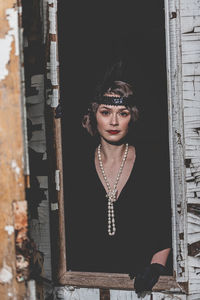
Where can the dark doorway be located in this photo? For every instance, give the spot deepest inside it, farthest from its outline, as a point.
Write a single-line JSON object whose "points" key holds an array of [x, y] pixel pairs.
{"points": [[92, 36]]}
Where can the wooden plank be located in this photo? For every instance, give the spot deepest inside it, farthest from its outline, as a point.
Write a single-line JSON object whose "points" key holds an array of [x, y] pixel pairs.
{"points": [[54, 143], [192, 69], [190, 13], [11, 150], [189, 23], [112, 281], [193, 86], [176, 138], [189, 8]]}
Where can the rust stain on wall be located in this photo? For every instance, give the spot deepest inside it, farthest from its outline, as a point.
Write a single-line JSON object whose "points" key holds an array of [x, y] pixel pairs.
{"points": [[20, 216], [23, 248]]}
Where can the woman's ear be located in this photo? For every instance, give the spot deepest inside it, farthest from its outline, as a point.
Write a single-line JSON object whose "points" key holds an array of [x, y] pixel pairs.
{"points": [[87, 124], [85, 121]]}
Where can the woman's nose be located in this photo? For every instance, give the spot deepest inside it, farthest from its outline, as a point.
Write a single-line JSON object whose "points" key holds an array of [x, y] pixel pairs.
{"points": [[114, 120]]}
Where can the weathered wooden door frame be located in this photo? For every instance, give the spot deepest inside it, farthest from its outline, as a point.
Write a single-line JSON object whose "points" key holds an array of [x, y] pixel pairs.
{"points": [[176, 141], [119, 281]]}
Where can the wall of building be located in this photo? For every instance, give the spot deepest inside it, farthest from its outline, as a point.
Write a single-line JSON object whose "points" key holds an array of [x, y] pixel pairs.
{"points": [[42, 91], [14, 261]]}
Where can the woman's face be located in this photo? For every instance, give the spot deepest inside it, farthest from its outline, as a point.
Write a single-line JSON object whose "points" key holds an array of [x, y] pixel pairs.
{"points": [[112, 122]]}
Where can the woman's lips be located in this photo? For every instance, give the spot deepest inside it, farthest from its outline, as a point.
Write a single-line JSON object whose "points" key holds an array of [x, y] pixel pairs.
{"points": [[113, 131]]}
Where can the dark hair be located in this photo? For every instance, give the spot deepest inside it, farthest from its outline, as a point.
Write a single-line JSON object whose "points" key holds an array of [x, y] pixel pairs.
{"points": [[120, 88]]}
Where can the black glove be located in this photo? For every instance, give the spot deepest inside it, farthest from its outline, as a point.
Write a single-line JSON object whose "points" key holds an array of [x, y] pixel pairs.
{"points": [[58, 111], [146, 279]]}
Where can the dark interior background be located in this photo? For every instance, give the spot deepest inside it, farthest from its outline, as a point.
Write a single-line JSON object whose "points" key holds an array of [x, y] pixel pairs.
{"points": [[95, 34], [92, 36]]}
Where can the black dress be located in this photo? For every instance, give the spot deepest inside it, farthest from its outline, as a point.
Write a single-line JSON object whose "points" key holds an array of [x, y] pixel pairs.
{"points": [[142, 217]]}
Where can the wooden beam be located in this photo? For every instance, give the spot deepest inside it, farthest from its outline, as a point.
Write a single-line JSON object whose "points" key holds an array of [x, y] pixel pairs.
{"points": [[113, 281], [11, 148]]}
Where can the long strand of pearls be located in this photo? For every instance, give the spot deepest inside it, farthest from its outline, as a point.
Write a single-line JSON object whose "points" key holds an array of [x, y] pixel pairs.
{"points": [[112, 194]]}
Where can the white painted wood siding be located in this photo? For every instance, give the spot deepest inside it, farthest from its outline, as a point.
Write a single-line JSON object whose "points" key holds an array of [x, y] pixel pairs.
{"points": [[190, 54]]}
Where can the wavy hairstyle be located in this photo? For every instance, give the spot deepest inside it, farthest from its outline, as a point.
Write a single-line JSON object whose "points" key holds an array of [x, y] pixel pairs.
{"points": [[120, 88]]}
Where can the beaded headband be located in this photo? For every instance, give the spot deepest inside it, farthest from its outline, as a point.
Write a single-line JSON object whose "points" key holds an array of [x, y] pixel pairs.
{"points": [[109, 100]]}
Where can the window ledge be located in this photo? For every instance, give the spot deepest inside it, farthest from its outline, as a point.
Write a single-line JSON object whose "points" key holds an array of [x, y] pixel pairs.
{"points": [[114, 281]]}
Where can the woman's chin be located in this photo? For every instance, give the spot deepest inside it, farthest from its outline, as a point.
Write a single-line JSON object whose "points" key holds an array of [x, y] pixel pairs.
{"points": [[114, 140]]}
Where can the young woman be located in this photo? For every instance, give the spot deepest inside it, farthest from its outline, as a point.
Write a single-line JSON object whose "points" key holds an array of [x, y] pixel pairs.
{"points": [[121, 221]]}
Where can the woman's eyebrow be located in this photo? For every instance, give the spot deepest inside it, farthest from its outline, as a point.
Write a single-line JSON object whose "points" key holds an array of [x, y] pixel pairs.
{"points": [[105, 107], [121, 109]]}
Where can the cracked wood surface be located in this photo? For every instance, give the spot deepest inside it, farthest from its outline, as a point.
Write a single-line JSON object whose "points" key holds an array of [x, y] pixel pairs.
{"points": [[11, 150], [190, 45], [54, 141]]}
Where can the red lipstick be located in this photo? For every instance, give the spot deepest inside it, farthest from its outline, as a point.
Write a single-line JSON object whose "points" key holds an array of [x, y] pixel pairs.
{"points": [[113, 131]]}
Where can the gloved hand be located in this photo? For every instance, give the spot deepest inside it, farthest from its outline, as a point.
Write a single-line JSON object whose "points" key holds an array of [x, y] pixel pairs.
{"points": [[58, 111], [146, 279]]}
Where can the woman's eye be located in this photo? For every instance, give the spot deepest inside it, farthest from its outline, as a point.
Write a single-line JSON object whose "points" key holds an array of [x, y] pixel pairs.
{"points": [[105, 112], [124, 114]]}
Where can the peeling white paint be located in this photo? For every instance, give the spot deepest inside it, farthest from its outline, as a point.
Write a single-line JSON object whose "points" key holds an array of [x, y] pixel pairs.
{"points": [[54, 98], [190, 85], [12, 17], [9, 229], [5, 48], [69, 292], [15, 167], [5, 43], [54, 206], [52, 74], [197, 29], [20, 10], [163, 296], [57, 179], [6, 274], [53, 17], [127, 295], [10, 294], [32, 290], [44, 4], [53, 63]]}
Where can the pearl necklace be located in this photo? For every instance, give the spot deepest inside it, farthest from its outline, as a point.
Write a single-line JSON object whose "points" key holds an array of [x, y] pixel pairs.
{"points": [[112, 194]]}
